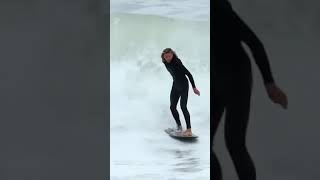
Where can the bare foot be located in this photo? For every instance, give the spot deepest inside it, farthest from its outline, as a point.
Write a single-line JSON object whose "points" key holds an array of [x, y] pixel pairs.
{"points": [[187, 132]]}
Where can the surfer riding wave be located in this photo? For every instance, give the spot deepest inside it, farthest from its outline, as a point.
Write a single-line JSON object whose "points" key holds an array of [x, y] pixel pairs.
{"points": [[180, 88]]}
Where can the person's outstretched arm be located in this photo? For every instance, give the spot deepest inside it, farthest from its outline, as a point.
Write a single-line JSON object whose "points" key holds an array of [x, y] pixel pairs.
{"points": [[257, 49], [190, 77], [262, 61]]}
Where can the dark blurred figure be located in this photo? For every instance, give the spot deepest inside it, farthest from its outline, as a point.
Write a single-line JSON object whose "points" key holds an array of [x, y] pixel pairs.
{"points": [[232, 85]]}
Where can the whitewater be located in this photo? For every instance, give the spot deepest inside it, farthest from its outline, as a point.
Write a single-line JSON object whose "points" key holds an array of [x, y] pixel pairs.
{"points": [[140, 87]]}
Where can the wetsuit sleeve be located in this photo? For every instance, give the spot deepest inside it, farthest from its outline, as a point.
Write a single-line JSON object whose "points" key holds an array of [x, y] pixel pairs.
{"points": [[186, 72], [256, 47]]}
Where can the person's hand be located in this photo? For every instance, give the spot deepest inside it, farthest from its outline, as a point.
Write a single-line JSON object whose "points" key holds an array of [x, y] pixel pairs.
{"points": [[277, 95], [196, 91]]}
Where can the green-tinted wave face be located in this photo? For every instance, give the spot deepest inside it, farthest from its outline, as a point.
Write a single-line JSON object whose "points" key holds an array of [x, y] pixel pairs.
{"points": [[141, 38]]}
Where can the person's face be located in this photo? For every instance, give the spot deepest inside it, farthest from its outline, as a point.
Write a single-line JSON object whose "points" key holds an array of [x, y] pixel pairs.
{"points": [[168, 56]]}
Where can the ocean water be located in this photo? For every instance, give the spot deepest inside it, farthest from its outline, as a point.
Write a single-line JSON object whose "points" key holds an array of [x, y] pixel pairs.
{"points": [[140, 88]]}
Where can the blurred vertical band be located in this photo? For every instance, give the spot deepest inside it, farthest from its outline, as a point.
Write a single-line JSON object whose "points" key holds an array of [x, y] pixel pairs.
{"points": [[54, 90]]}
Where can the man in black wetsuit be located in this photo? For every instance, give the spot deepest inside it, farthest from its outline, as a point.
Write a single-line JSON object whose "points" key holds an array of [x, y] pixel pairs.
{"points": [[232, 83], [180, 87]]}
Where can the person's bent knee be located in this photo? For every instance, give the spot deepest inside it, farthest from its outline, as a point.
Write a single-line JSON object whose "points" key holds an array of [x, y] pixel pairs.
{"points": [[173, 108]]}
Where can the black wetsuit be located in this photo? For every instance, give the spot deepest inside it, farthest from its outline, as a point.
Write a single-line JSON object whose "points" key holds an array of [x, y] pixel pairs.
{"points": [[180, 88], [232, 83]]}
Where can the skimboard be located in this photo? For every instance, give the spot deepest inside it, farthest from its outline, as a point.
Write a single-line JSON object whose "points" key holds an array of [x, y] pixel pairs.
{"points": [[176, 134]]}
